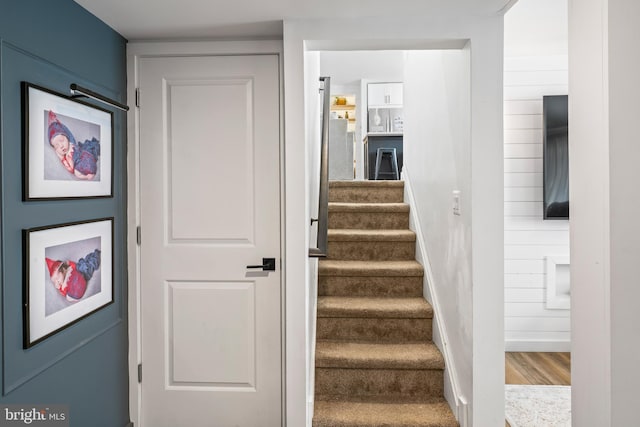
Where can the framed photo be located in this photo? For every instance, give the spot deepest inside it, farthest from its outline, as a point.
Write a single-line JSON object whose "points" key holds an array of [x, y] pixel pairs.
{"points": [[68, 274], [68, 146]]}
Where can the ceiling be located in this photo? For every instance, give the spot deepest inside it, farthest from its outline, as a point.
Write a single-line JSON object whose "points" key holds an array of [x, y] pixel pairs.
{"points": [[171, 19]]}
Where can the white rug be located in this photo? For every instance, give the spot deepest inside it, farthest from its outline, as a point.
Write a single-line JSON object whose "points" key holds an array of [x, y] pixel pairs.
{"points": [[538, 405]]}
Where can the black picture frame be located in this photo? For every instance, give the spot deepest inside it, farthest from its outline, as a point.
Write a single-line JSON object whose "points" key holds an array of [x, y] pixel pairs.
{"points": [[85, 168], [68, 275]]}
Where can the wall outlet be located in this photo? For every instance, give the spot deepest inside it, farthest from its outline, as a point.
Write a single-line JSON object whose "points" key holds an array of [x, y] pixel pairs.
{"points": [[456, 202]]}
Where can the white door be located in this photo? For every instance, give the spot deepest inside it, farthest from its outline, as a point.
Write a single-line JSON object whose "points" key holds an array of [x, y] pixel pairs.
{"points": [[210, 206]]}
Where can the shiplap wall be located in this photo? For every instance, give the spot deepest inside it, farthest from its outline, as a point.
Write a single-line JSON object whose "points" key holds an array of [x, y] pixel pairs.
{"points": [[529, 325]]}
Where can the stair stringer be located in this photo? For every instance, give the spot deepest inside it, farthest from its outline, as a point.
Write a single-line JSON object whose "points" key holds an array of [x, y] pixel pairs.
{"points": [[440, 338]]}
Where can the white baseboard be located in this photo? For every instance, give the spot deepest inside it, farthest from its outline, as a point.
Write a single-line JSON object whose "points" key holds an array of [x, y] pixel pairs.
{"points": [[543, 346]]}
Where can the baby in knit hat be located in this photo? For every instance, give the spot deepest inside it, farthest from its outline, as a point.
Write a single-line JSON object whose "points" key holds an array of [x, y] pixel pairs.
{"points": [[79, 158], [71, 278]]}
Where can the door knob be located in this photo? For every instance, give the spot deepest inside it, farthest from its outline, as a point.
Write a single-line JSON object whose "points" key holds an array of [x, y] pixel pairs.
{"points": [[268, 264]]}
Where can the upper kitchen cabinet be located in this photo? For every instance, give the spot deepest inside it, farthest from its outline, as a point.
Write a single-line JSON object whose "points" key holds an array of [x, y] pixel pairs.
{"points": [[384, 95], [384, 108]]}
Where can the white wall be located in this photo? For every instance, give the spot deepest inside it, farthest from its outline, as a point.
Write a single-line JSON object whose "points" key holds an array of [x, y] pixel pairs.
{"points": [[297, 235], [536, 27], [529, 324], [536, 64], [624, 160], [432, 30], [437, 147], [487, 228], [313, 109], [604, 63], [589, 198], [348, 68]]}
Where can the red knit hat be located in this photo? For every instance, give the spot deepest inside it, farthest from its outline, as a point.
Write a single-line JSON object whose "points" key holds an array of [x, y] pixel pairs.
{"points": [[56, 127], [52, 265]]}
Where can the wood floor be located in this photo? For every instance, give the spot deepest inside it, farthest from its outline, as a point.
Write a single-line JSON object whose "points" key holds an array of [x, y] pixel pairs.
{"points": [[538, 369]]}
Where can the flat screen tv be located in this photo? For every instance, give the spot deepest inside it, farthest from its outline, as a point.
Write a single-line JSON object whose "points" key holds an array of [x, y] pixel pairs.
{"points": [[555, 113]]}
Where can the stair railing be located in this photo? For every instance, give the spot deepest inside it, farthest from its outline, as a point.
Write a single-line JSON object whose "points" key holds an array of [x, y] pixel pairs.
{"points": [[323, 195]]}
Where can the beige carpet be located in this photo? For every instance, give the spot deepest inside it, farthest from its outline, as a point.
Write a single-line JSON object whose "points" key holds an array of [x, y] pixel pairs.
{"points": [[376, 365]]}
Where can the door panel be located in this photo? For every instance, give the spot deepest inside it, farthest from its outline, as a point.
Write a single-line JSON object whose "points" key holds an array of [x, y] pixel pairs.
{"points": [[210, 206], [201, 353], [198, 159]]}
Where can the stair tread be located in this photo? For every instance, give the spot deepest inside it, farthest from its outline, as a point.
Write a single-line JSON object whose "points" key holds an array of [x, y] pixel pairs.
{"points": [[356, 234], [366, 183], [348, 354], [435, 413], [328, 267], [368, 207], [366, 191], [368, 307]]}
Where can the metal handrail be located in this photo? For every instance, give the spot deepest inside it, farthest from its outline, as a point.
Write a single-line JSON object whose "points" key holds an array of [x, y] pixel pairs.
{"points": [[323, 205]]}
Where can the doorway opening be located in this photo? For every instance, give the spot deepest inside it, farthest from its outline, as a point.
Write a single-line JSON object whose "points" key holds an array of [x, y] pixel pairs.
{"points": [[436, 129], [537, 282]]}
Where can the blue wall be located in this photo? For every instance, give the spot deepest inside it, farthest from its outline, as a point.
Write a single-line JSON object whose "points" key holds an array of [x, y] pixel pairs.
{"points": [[52, 44]]}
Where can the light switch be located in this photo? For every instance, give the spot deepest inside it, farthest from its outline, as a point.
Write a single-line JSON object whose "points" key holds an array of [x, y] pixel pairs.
{"points": [[456, 202]]}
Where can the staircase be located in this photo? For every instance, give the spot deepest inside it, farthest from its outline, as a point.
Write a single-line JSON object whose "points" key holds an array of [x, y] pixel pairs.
{"points": [[376, 365]]}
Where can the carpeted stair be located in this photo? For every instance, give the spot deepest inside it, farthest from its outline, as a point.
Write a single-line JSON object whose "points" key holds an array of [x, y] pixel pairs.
{"points": [[376, 365]]}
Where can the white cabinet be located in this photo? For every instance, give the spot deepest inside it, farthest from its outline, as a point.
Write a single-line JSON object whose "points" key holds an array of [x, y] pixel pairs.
{"points": [[384, 107], [384, 95]]}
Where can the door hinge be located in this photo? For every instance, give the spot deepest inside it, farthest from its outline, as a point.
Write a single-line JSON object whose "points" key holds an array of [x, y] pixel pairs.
{"points": [[137, 97], [139, 235], [140, 373]]}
